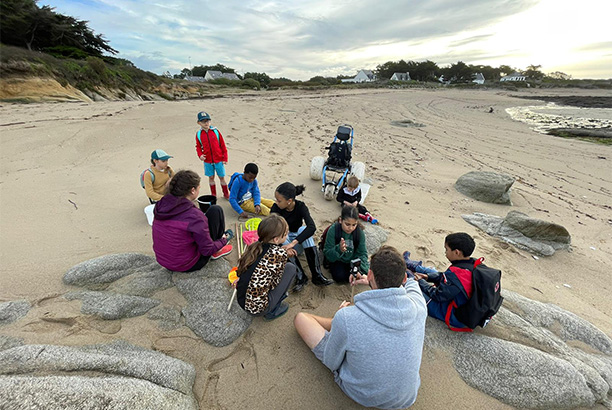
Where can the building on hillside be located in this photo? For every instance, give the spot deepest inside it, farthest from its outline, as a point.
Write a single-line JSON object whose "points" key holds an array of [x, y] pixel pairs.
{"points": [[215, 75], [478, 78], [513, 77], [400, 77], [194, 78], [363, 76]]}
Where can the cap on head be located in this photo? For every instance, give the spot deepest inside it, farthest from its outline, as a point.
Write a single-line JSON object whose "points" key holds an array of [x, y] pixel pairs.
{"points": [[161, 155], [203, 116]]}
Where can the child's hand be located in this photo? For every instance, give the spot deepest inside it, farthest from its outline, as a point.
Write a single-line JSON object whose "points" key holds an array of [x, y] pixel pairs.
{"points": [[291, 253], [419, 276], [202, 157], [235, 283], [342, 245], [354, 203], [344, 304], [257, 209]]}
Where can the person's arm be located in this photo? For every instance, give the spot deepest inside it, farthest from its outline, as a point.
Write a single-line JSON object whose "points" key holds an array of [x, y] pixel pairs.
{"points": [[148, 181], [336, 345], [362, 252], [199, 147], [233, 198], [201, 235], [223, 147], [310, 224], [331, 249], [256, 194], [445, 291], [341, 196], [357, 196]]}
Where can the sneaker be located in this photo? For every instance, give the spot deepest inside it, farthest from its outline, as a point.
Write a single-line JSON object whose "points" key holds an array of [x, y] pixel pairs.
{"points": [[278, 312], [374, 221], [222, 252]]}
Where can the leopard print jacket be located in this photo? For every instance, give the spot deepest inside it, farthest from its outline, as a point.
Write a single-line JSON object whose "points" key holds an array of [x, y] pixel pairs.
{"points": [[266, 276]]}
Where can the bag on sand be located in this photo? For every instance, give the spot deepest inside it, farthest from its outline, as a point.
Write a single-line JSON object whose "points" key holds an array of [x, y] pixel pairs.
{"points": [[485, 300]]}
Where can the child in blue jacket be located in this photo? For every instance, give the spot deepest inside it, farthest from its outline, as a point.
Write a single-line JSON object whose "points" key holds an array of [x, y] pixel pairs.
{"points": [[244, 193], [452, 288]]}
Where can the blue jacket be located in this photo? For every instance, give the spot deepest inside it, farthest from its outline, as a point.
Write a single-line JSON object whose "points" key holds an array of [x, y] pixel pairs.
{"points": [[238, 188]]}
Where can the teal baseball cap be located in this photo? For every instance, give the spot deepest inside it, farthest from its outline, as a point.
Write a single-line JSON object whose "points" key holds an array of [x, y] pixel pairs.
{"points": [[161, 155], [202, 116]]}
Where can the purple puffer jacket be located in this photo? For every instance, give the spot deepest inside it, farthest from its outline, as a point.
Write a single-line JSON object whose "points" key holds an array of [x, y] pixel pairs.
{"points": [[180, 234]]}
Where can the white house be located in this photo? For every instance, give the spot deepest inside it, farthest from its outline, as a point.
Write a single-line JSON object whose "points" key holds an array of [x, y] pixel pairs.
{"points": [[478, 78], [215, 75], [363, 76], [400, 77], [513, 77]]}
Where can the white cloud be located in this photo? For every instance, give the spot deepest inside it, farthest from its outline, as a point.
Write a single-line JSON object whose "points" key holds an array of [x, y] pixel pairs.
{"points": [[299, 39]]}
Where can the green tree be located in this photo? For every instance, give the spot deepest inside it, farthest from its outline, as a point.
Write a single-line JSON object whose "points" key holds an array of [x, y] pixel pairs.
{"points": [[458, 73], [506, 70], [533, 72], [559, 75], [261, 78]]}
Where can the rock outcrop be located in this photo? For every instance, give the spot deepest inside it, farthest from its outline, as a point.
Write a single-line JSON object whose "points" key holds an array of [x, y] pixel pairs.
{"points": [[13, 311], [531, 234], [117, 375], [486, 186]]}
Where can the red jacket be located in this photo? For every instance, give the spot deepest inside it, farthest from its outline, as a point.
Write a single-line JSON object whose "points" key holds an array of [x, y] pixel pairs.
{"points": [[214, 150]]}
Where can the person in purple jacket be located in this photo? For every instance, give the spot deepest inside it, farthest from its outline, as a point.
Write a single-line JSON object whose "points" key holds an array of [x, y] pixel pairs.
{"points": [[184, 238]]}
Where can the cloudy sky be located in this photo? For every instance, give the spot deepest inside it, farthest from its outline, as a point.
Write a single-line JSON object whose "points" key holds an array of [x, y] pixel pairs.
{"points": [[301, 39]]}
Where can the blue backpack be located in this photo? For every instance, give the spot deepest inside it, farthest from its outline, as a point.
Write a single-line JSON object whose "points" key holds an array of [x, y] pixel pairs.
{"points": [[142, 174]]}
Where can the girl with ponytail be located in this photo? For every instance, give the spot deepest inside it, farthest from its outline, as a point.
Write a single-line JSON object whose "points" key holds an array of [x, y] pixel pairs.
{"points": [[264, 275]]}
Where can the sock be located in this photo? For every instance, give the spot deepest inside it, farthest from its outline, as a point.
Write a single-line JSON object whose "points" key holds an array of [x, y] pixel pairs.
{"points": [[362, 216], [213, 189], [225, 191]]}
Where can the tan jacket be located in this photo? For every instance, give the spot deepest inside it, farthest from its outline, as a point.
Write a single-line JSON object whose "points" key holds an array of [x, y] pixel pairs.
{"points": [[156, 190]]}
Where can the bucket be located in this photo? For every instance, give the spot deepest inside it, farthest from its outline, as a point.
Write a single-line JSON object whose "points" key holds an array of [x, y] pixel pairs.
{"points": [[205, 201], [252, 224], [149, 212]]}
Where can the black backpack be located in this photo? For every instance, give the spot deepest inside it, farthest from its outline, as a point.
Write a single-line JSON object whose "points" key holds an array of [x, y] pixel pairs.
{"points": [[339, 154], [485, 300], [356, 240]]}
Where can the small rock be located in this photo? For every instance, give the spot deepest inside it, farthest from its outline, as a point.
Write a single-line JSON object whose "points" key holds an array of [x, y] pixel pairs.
{"points": [[567, 285]]}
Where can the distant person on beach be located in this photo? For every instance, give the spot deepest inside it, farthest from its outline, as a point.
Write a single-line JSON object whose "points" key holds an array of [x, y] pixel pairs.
{"points": [[345, 242], [374, 348], [184, 239], [156, 177], [447, 287], [264, 275], [350, 195], [211, 150], [300, 237], [244, 196]]}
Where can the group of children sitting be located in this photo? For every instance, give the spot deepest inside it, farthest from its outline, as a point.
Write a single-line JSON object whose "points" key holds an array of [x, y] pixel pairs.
{"points": [[185, 238]]}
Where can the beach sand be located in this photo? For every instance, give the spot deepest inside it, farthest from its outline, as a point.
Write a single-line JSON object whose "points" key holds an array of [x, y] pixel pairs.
{"points": [[69, 192]]}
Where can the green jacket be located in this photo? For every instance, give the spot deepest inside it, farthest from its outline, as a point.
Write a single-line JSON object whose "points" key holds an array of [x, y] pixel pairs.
{"points": [[332, 249]]}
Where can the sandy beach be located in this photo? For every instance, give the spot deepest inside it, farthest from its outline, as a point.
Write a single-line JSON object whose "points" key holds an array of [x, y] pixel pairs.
{"points": [[69, 192]]}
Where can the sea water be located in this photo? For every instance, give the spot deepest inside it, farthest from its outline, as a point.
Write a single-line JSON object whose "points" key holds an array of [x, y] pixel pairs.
{"points": [[542, 118]]}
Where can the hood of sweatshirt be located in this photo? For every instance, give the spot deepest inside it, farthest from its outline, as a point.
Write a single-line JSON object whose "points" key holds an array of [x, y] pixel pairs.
{"points": [[170, 206], [394, 308]]}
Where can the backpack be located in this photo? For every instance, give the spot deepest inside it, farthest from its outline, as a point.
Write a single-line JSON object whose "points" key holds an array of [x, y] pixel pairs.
{"points": [[339, 154], [232, 179], [200, 138], [142, 174], [356, 240], [485, 299]]}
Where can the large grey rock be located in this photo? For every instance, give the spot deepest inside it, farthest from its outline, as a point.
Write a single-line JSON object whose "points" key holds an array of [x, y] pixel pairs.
{"points": [[13, 311], [536, 355], [375, 236], [533, 235], [111, 306], [97, 273], [118, 375], [486, 186], [8, 342], [144, 283], [167, 318], [206, 313]]}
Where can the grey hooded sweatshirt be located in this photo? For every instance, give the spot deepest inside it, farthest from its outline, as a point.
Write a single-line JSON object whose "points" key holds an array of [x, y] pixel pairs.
{"points": [[375, 347]]}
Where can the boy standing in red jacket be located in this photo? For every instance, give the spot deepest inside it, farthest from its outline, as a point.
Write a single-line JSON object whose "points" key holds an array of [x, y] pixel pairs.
{"points": [[211, 150]]}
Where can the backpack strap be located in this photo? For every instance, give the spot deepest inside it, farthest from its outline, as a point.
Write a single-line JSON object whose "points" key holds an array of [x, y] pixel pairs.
{"points": [[199, 136], [452, 306], [152, 175]]}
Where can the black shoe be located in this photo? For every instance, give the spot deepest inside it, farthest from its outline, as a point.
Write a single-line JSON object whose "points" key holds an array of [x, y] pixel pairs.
{"points": [[315, 267], [301, 278], [300, 283]]}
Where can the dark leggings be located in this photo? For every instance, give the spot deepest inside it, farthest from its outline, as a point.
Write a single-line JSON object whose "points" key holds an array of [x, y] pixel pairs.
{"points": [[340, 271], [216, 227], [276, 295]]}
